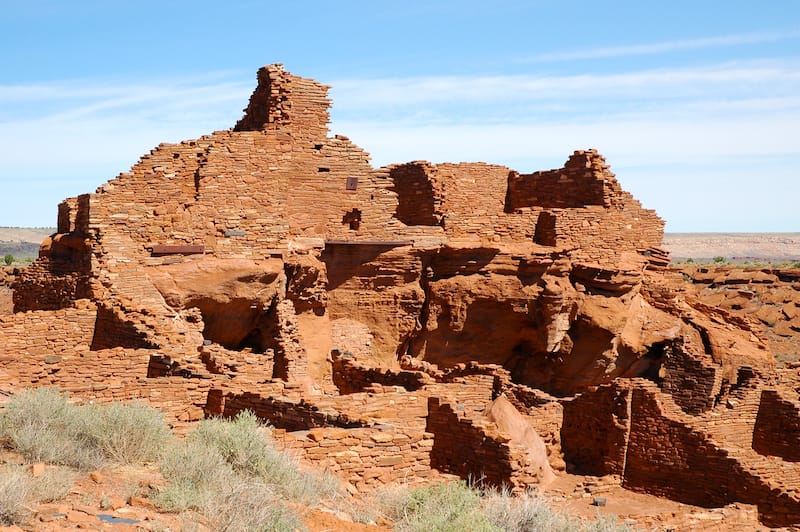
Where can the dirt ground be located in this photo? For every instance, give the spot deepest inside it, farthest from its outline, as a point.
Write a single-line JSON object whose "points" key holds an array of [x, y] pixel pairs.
{"points": [[734, 246], [580, 495]]}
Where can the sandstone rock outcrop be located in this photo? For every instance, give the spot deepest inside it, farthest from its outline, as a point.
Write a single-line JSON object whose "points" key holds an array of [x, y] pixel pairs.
{"points": [[376, 314]]}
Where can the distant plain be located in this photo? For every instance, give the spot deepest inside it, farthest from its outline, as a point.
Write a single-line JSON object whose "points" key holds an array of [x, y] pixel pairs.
{"points": [[23, 242]]}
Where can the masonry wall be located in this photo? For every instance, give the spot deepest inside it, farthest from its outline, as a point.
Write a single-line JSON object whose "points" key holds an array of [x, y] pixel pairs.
{"points": [[595, 431], [351, 376], [367, 457], [60, 276], [777, 429], [692, 383], [104, 376], [670, 456], [417, 201], [282, 100], [584, 180], [42, 333], [285, 413], [473, 448], [292, 411], [667, 458]]}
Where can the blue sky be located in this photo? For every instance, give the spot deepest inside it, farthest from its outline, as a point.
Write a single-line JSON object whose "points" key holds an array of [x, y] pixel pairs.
{"points": [[696, 105]]}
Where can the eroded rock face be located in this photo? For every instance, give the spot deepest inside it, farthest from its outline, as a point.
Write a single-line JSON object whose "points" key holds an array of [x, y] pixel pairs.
{"points": [[270, 267]]}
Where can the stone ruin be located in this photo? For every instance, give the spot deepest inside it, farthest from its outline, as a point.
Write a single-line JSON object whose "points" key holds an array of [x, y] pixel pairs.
{"points": [[408, 322]]}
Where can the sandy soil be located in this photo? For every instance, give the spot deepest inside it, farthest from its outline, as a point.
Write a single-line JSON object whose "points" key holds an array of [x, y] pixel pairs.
{"points": [[734, 246]]}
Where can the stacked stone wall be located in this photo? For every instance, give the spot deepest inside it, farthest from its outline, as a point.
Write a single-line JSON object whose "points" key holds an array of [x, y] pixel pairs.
{"points": [[351, 376], [584, 180], [692, 382], [777, 428], [41, 333], [474, 449], [366, 457], [595, 431]]}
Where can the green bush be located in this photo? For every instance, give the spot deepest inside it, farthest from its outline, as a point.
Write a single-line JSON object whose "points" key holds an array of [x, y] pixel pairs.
{"points": [[44, 426], [8, 259], [719, 260]]}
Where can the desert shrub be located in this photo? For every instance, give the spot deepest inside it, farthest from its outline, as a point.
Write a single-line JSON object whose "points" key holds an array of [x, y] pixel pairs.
{"points": [[251, 505], [14, 495], [8, 259], [126, 433], [243, 442], [19, 491], [229, 471], [44, 426], [527, 512], [719, 260], [457, 506], [450, 506], [532, 511], [53, 485], [194, 472]]}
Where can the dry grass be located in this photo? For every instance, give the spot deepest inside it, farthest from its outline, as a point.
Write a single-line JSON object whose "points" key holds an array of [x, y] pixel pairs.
{"points": [[19, 491], [455, 506], [44, 426], [229, 471]]}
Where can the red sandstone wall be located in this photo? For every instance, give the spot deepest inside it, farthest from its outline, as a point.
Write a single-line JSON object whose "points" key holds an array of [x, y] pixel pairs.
{"points": [[41, 333], [351, 376], [595, 431], [367, 457], [584, 180], [474, 449], [777, 429], [692, 382], [378, 286]]}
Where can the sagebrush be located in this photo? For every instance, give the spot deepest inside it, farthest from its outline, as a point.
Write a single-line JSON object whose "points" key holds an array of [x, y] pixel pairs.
{"points": [[44, 426]]}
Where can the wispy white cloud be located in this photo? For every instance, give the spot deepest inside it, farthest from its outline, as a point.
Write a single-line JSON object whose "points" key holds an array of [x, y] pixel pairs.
{"points": [[663, 47], [704, 117], [456, 97]]}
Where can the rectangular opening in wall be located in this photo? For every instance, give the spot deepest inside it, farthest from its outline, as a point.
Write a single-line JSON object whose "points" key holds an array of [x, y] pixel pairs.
{"points": [[352, 183], [323, 169]]}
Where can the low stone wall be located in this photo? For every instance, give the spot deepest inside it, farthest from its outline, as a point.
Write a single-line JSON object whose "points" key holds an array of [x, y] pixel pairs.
{"points": [[474, 449], [39, 333], [777, 429], [351, 376], [595, 431], [283, 412], [365, 457]]}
